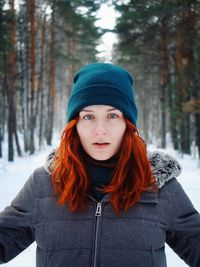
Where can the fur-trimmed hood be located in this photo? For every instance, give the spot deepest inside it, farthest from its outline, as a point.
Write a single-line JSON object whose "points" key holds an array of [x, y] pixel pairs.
{"points": [[164, 166]]}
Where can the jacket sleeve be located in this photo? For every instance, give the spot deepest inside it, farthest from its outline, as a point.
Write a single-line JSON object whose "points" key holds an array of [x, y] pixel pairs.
{"points": [[184, 232], [16, 223]]}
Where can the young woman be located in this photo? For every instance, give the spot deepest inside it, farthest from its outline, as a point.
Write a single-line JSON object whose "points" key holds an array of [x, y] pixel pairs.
{"points": [[101, 200]]}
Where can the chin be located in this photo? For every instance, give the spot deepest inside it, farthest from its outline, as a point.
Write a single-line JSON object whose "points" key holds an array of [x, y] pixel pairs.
{"points": [[101, 157]]}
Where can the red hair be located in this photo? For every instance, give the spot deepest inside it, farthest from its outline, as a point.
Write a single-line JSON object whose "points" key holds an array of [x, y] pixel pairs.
{"points": [[131, 176]]}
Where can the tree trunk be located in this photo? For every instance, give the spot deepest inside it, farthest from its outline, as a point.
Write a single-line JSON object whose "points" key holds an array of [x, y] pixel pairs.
{"points": [[52, 78], [1, 76], [32, 62], [27, 127], [197, 132], [18, 145], [1, 139], [40, 80], [188, 28], [179, 90], [172, 96], [22, 53], [164, 78], [11, 79]]}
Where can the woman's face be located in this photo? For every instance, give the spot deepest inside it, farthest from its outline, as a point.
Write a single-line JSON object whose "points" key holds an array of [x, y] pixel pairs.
{"points": [[101, 129]]}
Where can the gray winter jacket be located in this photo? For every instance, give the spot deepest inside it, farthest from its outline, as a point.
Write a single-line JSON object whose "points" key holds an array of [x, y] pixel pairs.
{"points": [[98, 237]]}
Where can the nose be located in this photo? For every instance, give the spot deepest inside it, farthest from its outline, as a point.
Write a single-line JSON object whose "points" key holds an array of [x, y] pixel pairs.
{"points": [[100, 129]]}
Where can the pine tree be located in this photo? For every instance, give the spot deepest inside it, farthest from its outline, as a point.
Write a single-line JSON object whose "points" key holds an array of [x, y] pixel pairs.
{"points": [[158, 42]]}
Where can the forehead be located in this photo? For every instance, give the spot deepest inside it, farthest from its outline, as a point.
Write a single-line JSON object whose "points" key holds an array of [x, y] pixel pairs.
{"points": [[99, 108]]}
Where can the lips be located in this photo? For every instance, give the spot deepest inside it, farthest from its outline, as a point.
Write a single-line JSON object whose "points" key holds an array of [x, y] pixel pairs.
{"points": [[100, 145]]}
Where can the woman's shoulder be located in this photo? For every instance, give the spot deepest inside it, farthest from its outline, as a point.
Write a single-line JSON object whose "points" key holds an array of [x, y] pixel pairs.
{"points": [[41, 172], [44, 172], [40, 180], [166, 169], [170, 189]]}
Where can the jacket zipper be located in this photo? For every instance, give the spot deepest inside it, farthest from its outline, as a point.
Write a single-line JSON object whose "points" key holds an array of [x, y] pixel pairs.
{"points": [[97, 215]]}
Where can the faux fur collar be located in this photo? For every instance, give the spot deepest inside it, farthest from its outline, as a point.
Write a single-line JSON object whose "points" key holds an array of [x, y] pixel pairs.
{"points": [[164, 166]]}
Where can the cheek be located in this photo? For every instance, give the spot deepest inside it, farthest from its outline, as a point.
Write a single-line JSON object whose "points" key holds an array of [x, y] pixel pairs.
{"points": [[122, 130], [83, 133], [119, 133]]}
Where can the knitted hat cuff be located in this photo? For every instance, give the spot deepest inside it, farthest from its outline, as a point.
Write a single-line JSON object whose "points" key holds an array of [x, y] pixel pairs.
{"points": [[100, 94]]}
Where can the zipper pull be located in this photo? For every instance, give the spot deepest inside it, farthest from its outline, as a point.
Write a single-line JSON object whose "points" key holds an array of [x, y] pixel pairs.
{"points": [[98, 209]]}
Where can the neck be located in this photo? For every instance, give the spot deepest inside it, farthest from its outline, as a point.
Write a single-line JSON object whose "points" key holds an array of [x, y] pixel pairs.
{"points": [[110, 163], [100, 173]]}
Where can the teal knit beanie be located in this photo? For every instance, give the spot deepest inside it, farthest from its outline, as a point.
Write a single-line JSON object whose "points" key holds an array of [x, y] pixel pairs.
{"points": [[102, 84]]}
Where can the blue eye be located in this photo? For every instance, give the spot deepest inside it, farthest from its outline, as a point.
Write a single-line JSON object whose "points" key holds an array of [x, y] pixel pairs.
{"points": [[88, 117], [113, 116]]}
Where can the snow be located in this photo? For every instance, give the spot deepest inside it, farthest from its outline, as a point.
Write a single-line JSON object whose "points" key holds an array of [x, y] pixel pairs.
{"points": [[14, 175]]}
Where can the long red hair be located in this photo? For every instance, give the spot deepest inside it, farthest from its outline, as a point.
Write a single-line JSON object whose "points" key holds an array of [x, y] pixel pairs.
{"points": [[131, 177]]}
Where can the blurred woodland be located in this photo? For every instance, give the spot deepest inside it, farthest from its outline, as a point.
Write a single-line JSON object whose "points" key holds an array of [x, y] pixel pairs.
{"points": [[43, 43]]}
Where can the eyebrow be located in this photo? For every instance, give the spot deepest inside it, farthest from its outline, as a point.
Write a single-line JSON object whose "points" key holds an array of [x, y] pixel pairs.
{"points": [[88, 110]]}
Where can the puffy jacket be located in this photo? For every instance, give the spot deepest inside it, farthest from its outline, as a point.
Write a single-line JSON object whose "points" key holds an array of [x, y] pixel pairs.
{"points": [[97, 237]]}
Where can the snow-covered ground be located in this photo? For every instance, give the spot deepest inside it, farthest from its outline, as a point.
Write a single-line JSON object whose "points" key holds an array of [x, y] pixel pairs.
{"points": [[14, 175]]}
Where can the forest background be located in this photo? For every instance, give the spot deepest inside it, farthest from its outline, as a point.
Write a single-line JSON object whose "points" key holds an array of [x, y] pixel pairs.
{"points": [[44, 42]]}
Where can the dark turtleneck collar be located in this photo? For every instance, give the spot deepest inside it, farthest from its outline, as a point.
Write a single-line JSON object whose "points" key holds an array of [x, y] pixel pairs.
{"points": [[100, 172], [110, 163]]}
